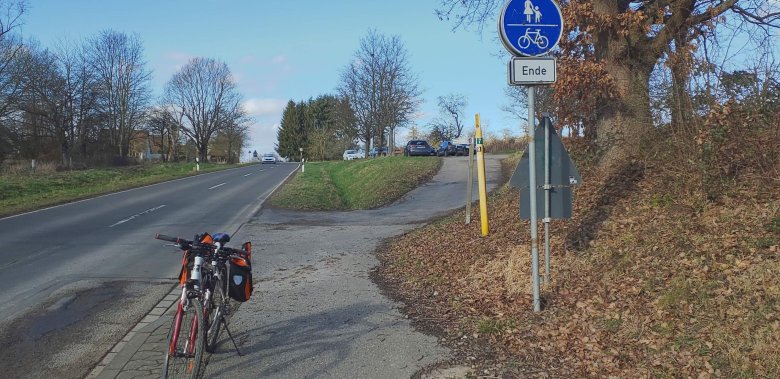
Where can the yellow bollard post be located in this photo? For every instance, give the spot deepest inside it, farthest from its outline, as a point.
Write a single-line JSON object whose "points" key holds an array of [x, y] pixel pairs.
{"points": [[483, 213]]}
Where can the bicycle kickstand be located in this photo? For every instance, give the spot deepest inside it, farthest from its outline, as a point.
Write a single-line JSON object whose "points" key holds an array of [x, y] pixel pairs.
{"points": [[224, 322]]}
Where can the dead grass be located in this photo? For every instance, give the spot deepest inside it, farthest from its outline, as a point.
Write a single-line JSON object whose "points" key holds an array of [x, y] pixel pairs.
{"points": [[24, 167], [665, 286]]}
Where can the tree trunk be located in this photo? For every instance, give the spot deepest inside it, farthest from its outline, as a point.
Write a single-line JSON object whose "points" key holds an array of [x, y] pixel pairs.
{"points": [[680, 98], [203, 152], [625, 124]]}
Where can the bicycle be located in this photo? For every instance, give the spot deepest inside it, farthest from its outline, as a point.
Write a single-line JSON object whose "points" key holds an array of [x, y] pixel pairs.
{"points": [[539, 40], [204, 304]]}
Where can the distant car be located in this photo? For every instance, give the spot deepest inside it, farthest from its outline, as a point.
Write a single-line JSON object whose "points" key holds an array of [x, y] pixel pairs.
{"points": [[269, 158], [351, 154], [418, 147], [462, 149], [376, 152], [446, 148]]}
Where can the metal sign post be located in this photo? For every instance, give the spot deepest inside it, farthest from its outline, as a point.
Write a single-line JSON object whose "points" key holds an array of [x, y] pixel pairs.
{"points": [[531, 28], [546, 125], [556, 171], [532, 185]]}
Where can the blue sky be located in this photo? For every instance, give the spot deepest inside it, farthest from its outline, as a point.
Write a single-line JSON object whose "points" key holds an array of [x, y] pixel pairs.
{"points": [[280, 50]]}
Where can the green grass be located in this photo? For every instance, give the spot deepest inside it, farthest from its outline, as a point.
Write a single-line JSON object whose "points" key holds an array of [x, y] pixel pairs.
{"points": [[492, 326], [33, 190], [357, 184]]}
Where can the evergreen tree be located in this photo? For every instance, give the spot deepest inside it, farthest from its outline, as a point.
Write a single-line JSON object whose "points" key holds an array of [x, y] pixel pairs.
{"points": [[324, 127], [289, 137]]}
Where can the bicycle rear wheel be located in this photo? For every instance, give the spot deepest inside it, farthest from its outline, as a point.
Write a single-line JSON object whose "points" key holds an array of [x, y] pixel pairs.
{"points": [[185, 342], [216, 313]]}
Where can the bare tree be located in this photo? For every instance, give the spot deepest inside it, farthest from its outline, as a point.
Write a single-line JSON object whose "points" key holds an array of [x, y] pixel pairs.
{"points": [[44, 100], [67, 95], [163, 125], [10, 73], [118, 62], [204, 94], [82, 94], [236, 134], [11, 13], [619, 43], [380, 87], [450, 124]]}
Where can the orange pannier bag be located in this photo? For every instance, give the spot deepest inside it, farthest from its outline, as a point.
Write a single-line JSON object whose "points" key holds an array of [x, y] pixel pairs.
{"points": [[240, 279]]}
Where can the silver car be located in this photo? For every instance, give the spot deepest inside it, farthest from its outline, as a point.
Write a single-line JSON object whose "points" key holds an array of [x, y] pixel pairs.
{"points": [[269, 158]]}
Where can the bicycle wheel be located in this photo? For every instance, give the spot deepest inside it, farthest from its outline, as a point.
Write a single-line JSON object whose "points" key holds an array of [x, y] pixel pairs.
{"points": [[185, 342], [524, 42], [542, 42], [216, 313]]}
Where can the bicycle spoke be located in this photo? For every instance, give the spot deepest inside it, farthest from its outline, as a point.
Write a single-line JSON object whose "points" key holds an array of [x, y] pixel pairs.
{"points": [[216, 313], [185, 342]]}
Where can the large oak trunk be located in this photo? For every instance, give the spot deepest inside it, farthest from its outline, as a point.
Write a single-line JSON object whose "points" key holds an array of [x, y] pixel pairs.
{"points": [[624, 123]]}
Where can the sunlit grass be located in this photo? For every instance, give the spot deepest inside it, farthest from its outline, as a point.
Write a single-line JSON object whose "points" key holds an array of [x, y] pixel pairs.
{"points": [[357, 184], [28, 190]]}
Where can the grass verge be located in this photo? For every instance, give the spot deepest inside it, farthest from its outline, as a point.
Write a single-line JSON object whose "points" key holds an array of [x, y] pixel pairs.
{"points": [[357, 184], [26, 191]]}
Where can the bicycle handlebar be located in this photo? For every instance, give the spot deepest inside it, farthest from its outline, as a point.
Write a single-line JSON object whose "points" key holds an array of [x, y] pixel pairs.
{"points": [[172, 239], [186, 244]]}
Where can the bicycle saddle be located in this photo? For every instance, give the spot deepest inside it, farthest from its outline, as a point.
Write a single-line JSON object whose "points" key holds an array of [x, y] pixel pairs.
{"points": [[221, 238]]}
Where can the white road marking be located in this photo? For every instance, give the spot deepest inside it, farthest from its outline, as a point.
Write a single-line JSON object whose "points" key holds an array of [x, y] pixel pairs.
{"points": [[150, 210], [247, 174], [218, 185]]}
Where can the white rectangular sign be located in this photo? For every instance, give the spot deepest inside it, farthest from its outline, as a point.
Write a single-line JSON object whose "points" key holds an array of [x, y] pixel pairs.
{"points": [[532, 70]]}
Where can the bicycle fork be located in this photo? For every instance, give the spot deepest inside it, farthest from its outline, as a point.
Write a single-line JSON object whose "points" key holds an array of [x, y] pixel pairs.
{"points": [[189, 348], [176, 327]]}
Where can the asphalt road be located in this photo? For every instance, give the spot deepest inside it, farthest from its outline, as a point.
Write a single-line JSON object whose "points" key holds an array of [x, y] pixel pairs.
{"points": [[77, 277], [315, 312]]}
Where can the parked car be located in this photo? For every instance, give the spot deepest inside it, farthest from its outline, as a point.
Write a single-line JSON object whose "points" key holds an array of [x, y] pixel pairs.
{"points": [[375, 152], [418, 147], [351, 154], [446, 148], [269, 158], [462, 149]]}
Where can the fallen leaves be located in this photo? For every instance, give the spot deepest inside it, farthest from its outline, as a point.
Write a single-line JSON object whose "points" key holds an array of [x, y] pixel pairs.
{"points": [[662, 291]]}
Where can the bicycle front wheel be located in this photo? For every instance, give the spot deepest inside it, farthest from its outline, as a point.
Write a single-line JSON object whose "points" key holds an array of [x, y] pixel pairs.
{"points": [[185, 342], [524, 42], [216, 313]]}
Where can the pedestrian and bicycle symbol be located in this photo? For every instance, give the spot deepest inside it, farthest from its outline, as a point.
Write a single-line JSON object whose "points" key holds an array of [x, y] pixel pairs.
{"points": [[530, 27], [535, 38]]}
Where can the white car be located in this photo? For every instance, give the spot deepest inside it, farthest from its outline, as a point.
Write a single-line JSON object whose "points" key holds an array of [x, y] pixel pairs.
{"points": [[269, 158], [350, 155]]}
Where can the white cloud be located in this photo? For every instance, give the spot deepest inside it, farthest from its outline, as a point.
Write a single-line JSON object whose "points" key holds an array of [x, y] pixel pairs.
{"points": [[262, 137], [247, 60], [259, 107], [177, 59], [279, 59]]}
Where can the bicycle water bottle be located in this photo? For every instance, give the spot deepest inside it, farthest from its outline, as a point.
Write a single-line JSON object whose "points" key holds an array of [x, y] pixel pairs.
{"points": [[196, 270]]}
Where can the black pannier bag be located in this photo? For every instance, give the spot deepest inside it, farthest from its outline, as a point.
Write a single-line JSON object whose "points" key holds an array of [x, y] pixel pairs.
{"points": [[240, 279]]}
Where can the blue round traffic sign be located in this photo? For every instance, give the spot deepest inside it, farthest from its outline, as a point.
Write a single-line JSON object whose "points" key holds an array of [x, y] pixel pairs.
{"points": [[530, 27]]}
